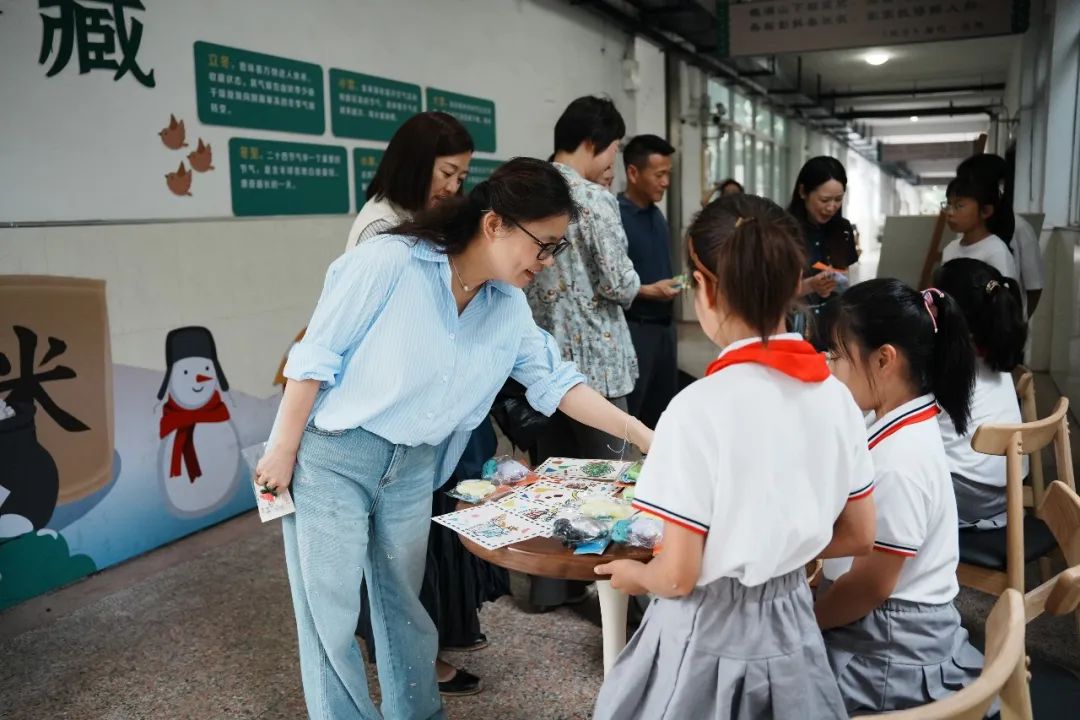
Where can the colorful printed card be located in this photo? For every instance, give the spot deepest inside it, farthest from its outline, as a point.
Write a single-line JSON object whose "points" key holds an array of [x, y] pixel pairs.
{"points": [[490, 526], [557, 493], [577, 468], [273, 506], [531, 510]]}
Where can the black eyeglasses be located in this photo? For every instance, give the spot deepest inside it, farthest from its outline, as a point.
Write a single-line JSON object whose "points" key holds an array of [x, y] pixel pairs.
{"points": [[547, 250]]}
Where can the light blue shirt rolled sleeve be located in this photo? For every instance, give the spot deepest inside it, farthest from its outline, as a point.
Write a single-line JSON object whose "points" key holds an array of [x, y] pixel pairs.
{"points": [[395, 357], [543, 372]]}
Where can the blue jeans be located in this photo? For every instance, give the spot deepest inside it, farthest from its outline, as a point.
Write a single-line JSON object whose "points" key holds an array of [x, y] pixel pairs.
{"points": [[363, 510]]}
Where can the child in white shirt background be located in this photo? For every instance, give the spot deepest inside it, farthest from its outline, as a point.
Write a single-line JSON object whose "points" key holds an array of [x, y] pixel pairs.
{"points": [[991, 306], [975, 209]]}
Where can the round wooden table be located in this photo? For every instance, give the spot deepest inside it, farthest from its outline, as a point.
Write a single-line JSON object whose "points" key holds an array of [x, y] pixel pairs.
{"points": [[547, 557]]}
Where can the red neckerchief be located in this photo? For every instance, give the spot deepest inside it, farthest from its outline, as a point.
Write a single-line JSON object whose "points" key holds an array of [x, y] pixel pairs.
{"points": [[183, 421], [796, 358]]}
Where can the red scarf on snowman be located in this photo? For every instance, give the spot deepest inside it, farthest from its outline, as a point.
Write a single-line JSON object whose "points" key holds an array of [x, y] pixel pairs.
{"points": [[183, 421]]}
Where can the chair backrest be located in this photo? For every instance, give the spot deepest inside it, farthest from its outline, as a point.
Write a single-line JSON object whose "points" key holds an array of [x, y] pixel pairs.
{"points": [[1064, 598], [1061, 513], [1004, 673], [1024, 382], [1060, 594], [993, 438]]}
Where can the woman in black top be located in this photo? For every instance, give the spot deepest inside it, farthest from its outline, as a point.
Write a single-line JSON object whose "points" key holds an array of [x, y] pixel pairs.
{"points": [[816, 202]]}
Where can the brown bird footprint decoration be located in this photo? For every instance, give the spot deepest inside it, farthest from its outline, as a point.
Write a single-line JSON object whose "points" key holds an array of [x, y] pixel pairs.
{"points": [[180, 181], [173, 136], [202, 159]]}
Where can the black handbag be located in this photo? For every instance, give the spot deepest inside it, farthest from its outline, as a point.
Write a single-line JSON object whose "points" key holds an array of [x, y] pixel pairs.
{"points": [[518, 420]]}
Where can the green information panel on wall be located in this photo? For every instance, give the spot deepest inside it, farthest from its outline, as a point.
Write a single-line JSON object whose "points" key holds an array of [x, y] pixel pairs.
{"points": [[369, 107], [476, 114], [283, 178], [365, 163], [479, 171], [240, 88]]}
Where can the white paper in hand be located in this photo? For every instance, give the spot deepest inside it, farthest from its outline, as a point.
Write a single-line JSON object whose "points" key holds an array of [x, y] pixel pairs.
{"points": [[270, 506]]}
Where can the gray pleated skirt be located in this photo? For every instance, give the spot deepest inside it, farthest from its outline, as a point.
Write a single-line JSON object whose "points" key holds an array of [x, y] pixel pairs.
{"points": [[979, 505], [902, 655], [726, 651]]}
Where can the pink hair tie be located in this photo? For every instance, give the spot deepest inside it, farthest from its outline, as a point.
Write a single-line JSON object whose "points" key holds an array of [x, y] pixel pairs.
{"points": [[928, 302]]}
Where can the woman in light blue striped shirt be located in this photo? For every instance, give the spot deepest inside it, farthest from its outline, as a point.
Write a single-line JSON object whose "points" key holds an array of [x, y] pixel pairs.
{"points": [[413, 336]]}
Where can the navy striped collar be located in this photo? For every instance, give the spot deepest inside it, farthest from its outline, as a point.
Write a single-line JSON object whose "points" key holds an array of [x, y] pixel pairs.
{"points": [[914, 411]]}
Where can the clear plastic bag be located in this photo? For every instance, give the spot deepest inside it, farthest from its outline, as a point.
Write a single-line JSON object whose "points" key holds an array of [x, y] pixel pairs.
{"points": [[641, 530], [505, 470], [473, 491], [574, 528]]}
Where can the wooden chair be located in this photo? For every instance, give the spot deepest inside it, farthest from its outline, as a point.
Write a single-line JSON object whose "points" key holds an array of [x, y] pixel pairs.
{"points": [[1024, 382], [1034, 484], [1004, 673], [1061, 594], [992, 560]]}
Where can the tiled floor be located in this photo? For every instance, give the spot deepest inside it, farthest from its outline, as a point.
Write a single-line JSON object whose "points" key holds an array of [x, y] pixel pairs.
{"points": [[212, 636], [201, 630]]}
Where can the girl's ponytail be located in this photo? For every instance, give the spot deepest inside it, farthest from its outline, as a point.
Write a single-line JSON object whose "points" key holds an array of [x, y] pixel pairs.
{"points": [[927, 328], [951, 371], [991, 304]]}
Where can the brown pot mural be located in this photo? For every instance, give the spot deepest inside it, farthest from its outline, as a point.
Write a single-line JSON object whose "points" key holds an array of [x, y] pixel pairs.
{"points": [[180, 181], [202, 159], [174, 135], [55, 365]]}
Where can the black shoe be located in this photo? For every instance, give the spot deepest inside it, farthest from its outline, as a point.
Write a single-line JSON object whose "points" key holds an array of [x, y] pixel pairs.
{"points": [[479, 643], [463, 683]]}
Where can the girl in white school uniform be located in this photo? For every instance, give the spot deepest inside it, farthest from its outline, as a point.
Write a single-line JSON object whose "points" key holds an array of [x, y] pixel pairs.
{"points": [[975, 208], [756, 469], [893, 635], [992, 307]]}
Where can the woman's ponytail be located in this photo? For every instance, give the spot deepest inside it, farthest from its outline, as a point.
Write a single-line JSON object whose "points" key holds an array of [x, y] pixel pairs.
{"points": [[520, 190]]}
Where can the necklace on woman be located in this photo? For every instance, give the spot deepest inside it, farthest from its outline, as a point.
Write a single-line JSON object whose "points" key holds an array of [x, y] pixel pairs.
{"points": [[457, 274]]}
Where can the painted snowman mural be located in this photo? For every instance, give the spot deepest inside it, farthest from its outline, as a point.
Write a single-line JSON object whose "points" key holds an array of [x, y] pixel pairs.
{"points": [[200, 450]]}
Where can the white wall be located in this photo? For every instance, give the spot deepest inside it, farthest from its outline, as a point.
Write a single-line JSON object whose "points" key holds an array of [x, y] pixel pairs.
{"points": [[1043, 81], [649, 103], [1031, 94], [85, 147]]}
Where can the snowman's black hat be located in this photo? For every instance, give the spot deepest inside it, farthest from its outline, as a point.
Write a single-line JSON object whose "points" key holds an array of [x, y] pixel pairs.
{"points": [[188, 342]]}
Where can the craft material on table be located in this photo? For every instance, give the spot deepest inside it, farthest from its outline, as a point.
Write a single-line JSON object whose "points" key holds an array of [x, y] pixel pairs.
{"points": [[530, 507], [490, 526], [472, 490], [605, 508], [631, 473], [505, 470], [583, 469]]}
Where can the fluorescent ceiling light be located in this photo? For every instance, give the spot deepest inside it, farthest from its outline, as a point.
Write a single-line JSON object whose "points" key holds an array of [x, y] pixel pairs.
{"points": [[914, 118], [876, 57]]}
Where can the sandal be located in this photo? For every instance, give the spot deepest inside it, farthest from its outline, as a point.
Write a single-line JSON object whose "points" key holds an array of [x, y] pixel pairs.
{"points": [[463, 683], [479, 643]]}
